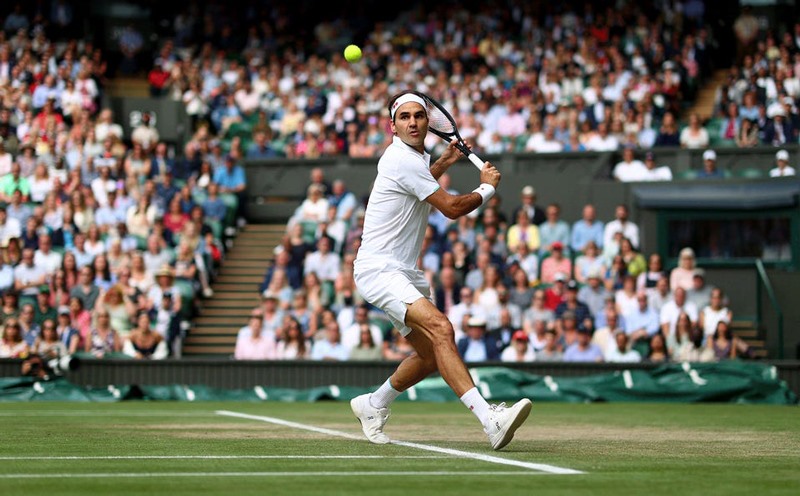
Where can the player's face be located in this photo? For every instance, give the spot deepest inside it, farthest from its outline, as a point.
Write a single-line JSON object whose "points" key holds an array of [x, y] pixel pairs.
{"points": [[411, 124]]}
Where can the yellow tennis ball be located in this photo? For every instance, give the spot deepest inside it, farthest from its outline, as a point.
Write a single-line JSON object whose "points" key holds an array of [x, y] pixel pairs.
{"points": [[352, 53]]}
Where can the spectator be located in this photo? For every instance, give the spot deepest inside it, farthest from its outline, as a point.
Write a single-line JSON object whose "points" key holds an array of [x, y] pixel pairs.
{"points": [[520, 349], [28, 276], [689, 346], [782, 167], [668, 134], [12, 344], [330, 347], [694, 135], [648, 279], [642, 322], [252, 343], [725, 345], [587, 229], [476, 346], [682, 276], [583, 350], [620, 224], [700, 292], [143, 343], [589, 262], [293, 346], [86, 290], [555, 264], [528, 199], [351, 336], [629, 169], [48, 345], [448, 292], [366, 348], [523, 232], [103, 339], [672, 309], [42, 310], [621, 353], [653, 172], [710, 170], [713, 313], [659, 353]]}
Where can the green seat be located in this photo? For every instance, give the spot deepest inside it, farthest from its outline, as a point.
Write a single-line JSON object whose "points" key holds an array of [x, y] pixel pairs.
{"points": [[686, 174], [309, 231], [751, 173], [643, 347]]}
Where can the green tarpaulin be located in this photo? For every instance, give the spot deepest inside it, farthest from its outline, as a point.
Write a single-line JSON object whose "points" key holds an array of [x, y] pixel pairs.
{"points": [[730, 382]]}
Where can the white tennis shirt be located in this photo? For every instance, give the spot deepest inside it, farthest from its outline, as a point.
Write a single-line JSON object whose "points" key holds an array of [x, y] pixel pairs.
{"points": [[397, 214]]}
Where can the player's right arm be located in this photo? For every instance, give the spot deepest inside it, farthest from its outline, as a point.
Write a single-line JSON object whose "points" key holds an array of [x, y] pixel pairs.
{"points": [[454, 206]]}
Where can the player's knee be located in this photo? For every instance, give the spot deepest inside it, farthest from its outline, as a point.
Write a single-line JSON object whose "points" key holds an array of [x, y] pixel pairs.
{"points": [[442, 332]]}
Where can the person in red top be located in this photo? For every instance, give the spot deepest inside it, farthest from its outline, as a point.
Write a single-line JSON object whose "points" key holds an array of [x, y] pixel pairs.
{"points": [[158, 79], [555, 294], [48, 111]]}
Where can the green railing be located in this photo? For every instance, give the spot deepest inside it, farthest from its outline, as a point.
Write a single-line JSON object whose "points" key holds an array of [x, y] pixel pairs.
{"points": [[763, 280]]}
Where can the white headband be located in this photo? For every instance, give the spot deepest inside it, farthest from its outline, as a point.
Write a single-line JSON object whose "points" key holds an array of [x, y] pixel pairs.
{"points": [[408, 97]]}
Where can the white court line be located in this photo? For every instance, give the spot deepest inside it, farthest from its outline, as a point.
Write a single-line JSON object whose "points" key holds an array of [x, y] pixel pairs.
{"points": [[109, 413], [213, 457], [258, 474], [550, 469]]}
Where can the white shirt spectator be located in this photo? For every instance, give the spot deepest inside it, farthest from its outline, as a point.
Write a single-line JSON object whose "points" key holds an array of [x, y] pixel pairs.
{"points": [[629, 230], [26, 275], [786, 171], [11, 229], [629, 356], [598, 143], [670, 312], [634, 170], [50, 261], [326, 266], [351, 336]]}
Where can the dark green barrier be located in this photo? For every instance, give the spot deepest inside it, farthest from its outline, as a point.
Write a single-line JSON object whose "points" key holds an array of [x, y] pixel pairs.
{"points": [[729, 382]]}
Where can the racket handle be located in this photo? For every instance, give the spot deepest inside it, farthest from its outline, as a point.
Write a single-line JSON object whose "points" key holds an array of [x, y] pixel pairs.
{"points": [[475, 160]]}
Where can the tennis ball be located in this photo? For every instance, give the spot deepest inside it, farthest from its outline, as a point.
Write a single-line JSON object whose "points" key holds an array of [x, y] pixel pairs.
{"points": [[352, 53]]}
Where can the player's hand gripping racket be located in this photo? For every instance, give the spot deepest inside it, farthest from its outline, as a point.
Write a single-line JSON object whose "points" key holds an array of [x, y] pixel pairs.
{"points": [[442, 124]]}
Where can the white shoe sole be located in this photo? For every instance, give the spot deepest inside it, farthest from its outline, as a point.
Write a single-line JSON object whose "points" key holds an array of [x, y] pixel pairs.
{"points": [[522, 415]]}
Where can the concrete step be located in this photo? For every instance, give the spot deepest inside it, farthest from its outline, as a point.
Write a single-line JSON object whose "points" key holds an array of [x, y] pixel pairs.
{"points": [[233, 288], [210, 351], [232, 321], [214, 340], [241, 279]]}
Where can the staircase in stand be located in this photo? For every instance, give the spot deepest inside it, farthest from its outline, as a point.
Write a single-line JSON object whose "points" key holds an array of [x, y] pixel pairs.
{"points": [[214, 330], [749, 332], [704, 103]]}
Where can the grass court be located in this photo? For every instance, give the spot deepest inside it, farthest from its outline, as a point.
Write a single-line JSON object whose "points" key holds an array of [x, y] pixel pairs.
{"points": [[274, 448]]}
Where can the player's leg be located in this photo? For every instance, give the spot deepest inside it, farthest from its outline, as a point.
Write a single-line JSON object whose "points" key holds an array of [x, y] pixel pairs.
{"points": [[429, 324]]}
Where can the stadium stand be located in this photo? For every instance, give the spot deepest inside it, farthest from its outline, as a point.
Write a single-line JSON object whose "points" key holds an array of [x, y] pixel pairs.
{"points": [[158, 229]]}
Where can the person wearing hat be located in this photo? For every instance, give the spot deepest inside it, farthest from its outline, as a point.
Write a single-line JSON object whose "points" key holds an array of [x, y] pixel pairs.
{"points": [[710, 170], [476, 346], [165, 283], [572, 304], [682, 276], [520, 349], [43, 310], [528, 199], [593, 294], [700, 292], [556, 263], [782, 167]]}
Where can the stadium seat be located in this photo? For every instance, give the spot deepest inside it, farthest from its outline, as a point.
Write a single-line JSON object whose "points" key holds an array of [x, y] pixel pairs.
{"points": [[751, 173], [686, 174]]}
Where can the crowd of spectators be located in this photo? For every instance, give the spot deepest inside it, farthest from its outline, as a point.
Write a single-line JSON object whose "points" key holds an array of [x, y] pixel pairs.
{"points": [[758, 103], [533, 287], [105, 237], [517, 76]]}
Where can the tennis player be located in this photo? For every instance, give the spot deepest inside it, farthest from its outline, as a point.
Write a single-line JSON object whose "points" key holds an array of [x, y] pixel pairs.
{"points": [[387, 277]]}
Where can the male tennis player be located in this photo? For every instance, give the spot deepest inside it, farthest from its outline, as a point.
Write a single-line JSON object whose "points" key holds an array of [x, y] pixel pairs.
{"points": [[386, 273]]}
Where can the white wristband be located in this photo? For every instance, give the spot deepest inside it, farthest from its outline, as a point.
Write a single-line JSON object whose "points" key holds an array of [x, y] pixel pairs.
{"points": [[486, 191]]}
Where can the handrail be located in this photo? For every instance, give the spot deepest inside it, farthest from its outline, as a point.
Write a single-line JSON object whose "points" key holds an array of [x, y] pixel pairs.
{"points": [[764, 279]]}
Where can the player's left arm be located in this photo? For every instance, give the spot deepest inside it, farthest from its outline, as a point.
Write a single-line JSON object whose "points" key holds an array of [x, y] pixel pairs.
{"points": [[448, 158]]}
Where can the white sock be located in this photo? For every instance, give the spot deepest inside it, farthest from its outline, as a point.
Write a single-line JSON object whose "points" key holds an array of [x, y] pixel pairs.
{"points": [[473, 400], [384, 396]]}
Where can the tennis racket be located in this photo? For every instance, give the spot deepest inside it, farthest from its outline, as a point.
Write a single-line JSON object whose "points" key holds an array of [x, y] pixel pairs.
{"points": [[442, 124]]}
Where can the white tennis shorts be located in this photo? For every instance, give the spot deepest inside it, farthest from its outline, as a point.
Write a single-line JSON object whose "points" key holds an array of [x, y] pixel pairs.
{"points": [[392, 290]]}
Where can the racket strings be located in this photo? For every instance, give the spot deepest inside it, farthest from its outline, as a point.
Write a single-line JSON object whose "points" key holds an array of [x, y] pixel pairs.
{"points": [[437, 120]]}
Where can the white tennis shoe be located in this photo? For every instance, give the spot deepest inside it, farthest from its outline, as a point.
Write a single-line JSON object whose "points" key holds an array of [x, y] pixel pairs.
{"points": [[372, 419], [503, 422]]}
